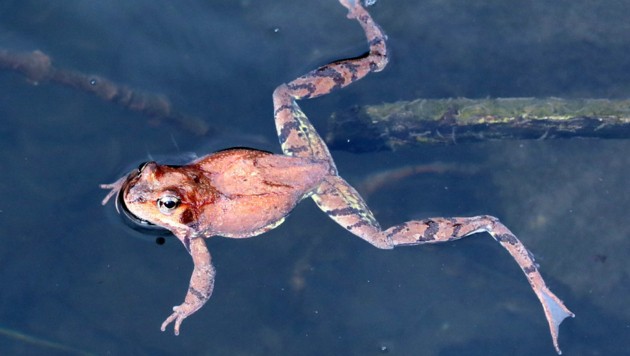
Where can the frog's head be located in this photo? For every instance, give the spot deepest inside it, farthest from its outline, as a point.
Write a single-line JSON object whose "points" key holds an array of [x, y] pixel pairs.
{"points": [[157, 197]]}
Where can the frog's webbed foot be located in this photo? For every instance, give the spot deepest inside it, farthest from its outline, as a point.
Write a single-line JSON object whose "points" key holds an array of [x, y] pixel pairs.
{"points": [[200, 287], [354, 7], [351, 5]]}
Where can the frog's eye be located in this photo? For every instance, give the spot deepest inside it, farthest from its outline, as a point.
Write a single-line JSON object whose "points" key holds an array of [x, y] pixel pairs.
{"points": [[167, 204]]}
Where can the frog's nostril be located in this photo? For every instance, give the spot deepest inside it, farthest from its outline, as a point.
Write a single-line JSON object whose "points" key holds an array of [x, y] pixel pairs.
{"points": [[141, 166]]}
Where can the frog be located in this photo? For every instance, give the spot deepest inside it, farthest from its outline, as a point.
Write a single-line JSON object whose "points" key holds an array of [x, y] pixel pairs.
{"points": [[244, 192]]}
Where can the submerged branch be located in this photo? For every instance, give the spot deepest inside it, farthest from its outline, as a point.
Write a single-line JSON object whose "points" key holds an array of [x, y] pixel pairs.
{"points": [[427, 121], [37, 67]]}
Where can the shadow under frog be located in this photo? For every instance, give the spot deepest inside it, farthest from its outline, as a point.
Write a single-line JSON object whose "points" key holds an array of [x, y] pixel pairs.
{"points": [[241, 192]]}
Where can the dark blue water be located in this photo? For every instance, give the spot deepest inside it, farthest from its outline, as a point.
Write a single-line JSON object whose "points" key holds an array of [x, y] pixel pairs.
{"points": [[75, 280]]}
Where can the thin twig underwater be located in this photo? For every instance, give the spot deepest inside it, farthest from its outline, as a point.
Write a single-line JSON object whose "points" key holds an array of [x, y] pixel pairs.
{"points": [[42, 344]]}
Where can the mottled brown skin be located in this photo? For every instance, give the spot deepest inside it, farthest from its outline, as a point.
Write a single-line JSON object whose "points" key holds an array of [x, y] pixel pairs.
{"points": [[243, 192]]}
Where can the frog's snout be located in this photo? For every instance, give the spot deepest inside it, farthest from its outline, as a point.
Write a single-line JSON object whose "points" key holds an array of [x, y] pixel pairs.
{"points": [[135, 222]]}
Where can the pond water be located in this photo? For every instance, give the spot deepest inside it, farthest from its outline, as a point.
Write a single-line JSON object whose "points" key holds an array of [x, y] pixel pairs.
{"points": [[76, 280]]}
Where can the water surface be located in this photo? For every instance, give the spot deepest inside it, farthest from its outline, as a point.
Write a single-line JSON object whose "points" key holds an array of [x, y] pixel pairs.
{"points": [[72, 274]]}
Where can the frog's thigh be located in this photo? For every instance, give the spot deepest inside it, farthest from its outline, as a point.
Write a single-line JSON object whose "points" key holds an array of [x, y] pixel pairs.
{"points": [[342, 203], [297, 135]]}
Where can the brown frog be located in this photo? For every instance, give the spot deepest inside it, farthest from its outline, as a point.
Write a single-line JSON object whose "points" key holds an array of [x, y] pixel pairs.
{"points": [[241, 193]]}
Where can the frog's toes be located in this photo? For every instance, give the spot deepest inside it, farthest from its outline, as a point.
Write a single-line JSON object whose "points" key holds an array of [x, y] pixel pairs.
{"points": [[351, 5], [177, 317]]}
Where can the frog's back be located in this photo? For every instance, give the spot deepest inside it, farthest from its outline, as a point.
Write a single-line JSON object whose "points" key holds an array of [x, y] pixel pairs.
{"points": [[249, 171], [257, 189]]}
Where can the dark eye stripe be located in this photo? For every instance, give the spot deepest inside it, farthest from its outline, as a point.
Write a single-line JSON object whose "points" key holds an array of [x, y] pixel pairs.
{"points": [[187, 217]]}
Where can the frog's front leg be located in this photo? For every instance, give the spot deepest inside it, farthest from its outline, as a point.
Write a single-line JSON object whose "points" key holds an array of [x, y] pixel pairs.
{"points": [[201, 283], [344, 205]]}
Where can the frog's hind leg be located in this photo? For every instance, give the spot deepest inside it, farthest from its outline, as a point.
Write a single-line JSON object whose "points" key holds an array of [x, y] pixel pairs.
{"points": [[296, 134], [344, 205]]}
